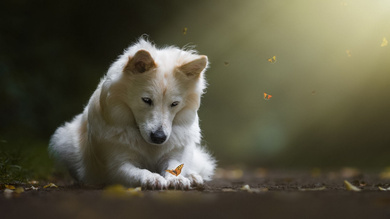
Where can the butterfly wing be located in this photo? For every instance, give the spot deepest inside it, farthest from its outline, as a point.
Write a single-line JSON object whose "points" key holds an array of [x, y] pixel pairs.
{"points": [[272, 59], [178, 169], [267, 96], [171, 172]]}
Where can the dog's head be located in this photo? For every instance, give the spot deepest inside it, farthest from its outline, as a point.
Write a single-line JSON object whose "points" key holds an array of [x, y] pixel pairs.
{"points": [[159, 89]]}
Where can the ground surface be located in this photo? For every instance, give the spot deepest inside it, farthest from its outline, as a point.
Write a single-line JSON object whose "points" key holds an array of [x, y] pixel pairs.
{"points": [[275, 194]]}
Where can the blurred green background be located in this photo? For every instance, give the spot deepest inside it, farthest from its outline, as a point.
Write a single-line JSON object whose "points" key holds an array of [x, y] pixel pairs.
{"points": [[330, 82]]}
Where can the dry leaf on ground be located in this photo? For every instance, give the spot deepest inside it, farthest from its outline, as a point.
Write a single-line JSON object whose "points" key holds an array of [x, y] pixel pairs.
{"points": [[313, 189], [9, 187], [50, 185], [351, 187]]}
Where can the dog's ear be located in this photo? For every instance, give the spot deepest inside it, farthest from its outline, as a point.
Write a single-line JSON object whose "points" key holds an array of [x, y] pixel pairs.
{"points": [[141, 62], [194, 68]]}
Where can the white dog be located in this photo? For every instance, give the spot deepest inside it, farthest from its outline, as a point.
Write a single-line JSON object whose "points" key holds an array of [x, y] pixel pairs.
{"points": [[141, 120]]}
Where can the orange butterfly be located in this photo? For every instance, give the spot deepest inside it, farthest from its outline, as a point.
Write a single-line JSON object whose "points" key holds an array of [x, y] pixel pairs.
{"points": [[176, 171], [267, 96], [272, 59]]}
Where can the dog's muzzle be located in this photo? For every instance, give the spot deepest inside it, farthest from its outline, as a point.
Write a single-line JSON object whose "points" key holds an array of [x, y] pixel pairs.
{"points": [[158, 137]]}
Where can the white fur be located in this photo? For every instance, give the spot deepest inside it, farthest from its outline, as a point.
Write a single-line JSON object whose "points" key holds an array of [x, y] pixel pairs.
{"points": [[110, 141]]}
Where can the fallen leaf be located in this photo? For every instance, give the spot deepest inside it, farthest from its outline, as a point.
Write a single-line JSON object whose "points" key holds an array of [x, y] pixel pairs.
{"points": [[228, 190], [19, 190], [245, 187], [32, 188], [121, 191], [313, 189], [384, 42], [9, 187], [383, 189], [253, 190], [351, 187], [50, 185], [135, 191], [115, 191], [8, 193], [33, 182]]}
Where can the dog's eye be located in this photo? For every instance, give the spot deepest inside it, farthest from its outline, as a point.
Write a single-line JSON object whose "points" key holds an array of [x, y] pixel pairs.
{"points": [[147, 100], [174, 103]]}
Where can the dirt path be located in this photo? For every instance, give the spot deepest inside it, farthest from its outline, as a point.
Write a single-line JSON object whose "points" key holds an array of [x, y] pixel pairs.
{"points": [[272, 195]]}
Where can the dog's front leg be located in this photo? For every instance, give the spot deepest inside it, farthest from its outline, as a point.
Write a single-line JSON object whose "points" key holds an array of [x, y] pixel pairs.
{"points": [[133, 176]]}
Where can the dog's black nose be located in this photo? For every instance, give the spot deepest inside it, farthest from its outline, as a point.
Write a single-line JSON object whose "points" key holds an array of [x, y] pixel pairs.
{"points": [[158, 137]]}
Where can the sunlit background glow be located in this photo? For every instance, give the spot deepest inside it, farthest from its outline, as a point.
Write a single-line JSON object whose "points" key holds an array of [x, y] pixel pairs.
{"points": [[330, 83]]}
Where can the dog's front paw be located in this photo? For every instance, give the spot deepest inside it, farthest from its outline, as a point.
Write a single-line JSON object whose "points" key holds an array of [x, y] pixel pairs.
{"points": [[154, 181], [178, 182], [196, 180]]}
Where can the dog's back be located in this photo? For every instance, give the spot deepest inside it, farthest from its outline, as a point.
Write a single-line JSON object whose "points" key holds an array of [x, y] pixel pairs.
{"points": [[65, 146]]}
